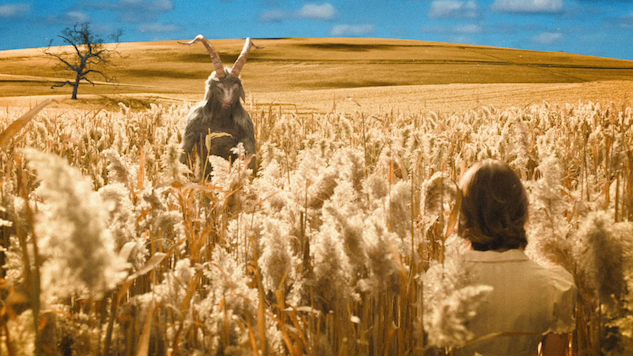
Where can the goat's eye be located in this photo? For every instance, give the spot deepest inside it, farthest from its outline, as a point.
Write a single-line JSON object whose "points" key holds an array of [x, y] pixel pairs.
{"points": [[221, 86], [235, 86]]}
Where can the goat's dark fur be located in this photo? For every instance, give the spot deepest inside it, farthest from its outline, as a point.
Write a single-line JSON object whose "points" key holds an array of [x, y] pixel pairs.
{"points": [[221, 111]]}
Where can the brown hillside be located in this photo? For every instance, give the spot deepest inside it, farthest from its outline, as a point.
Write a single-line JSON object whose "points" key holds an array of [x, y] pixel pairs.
{"points": [[292, 67]]}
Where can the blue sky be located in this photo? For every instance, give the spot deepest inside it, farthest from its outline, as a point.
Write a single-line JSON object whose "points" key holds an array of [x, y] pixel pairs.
{"points": [[592, 27]]}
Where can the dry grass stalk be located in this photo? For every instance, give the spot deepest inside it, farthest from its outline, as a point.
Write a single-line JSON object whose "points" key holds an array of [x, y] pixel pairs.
{"points": [[18, 124], [363, 202]]}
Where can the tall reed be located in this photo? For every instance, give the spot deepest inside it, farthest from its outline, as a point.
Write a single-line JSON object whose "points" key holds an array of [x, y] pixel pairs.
{"points": [[342, 243]]}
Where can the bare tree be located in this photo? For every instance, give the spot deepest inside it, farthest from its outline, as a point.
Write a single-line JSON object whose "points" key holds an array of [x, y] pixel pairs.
{"points": [[90, 57]]}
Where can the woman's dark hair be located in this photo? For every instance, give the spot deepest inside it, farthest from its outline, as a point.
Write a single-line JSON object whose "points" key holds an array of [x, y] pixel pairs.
{"points": [[494, 207]]}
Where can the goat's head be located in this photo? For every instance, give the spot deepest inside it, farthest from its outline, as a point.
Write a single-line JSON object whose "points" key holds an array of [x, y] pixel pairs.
{"points": [[227, 90], [224, 84]]}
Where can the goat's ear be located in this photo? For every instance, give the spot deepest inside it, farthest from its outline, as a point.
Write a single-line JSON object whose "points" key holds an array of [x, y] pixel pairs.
{"points": [[242, 94]]}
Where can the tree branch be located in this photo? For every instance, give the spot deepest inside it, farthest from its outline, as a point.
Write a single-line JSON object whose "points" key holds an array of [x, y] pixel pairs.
{"points": [[83, 76], [61, 85], [71, 42], [88, 80], [98, 60], [102, 55], [72, 67]]}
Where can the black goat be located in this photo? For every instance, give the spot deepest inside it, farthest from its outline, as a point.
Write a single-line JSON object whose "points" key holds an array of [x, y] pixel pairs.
{"points": [[221, 112]]}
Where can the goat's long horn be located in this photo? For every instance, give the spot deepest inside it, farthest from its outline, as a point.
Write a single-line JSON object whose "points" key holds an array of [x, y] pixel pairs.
{"points": [[239, 62], [215, 58]]}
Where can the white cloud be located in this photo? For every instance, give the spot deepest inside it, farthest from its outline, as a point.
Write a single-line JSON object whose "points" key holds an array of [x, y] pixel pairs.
{"points": [[133, 11], [528, 6], [471, 28], [460, 39], [351, 30], [273, 15], [454, 8], [321, 12], [159, 28], [626, 21], [135, 5], [77, 16], [547, 38], [14, 10], [459, 29], [162, 5], [68, 18]]}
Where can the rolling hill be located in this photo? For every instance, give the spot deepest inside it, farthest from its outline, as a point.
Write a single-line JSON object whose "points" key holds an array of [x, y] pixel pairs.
{"points": [[317, 72]]}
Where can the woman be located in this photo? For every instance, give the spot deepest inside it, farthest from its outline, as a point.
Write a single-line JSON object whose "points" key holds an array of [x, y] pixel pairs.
{"points": [[530, 303]]}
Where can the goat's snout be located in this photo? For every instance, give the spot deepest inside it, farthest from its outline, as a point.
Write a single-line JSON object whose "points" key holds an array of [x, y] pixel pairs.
{"points": [[228, 96], [227, 99]]}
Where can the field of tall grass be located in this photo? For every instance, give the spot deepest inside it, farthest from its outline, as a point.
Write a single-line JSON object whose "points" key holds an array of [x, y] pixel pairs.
{"points": [[341, 243]]}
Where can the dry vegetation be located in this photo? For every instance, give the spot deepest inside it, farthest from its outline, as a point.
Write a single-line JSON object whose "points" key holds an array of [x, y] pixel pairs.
{"points": [[379, 74], [323, 251], [112, 248]]}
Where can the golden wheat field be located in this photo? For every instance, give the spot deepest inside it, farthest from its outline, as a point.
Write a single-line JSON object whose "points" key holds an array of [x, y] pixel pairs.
{"points": [[316, 74], [110, 246]]}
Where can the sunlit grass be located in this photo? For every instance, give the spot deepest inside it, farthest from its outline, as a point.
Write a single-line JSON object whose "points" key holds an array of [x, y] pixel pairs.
{"points": [[312, 63], [324, 251]]}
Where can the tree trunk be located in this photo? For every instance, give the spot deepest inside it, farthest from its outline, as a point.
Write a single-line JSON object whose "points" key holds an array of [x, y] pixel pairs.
{"points": [[76, 86]]}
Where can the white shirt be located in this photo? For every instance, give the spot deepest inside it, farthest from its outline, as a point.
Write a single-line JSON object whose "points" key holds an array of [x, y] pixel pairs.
{"points": [[528, 299]]}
